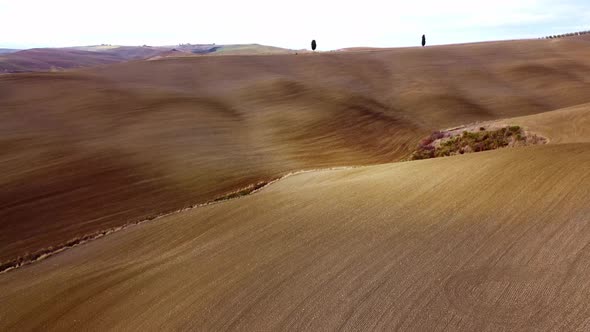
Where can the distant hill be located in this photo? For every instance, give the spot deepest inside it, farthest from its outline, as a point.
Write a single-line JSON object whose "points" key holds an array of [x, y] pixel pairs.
{"points": [[241, 49], [251, 49], [55, 59], [47, 59], [8, 50], [52, 59], [135, 52]]}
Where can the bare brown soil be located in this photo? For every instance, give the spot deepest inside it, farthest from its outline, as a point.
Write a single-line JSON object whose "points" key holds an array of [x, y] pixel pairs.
{"points": [[487, 241], [569, 125], [471, 242], [88, 150]]}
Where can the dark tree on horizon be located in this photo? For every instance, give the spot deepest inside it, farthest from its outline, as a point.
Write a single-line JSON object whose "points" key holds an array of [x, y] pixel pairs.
{"points": [[423, 40], [313, 45]]}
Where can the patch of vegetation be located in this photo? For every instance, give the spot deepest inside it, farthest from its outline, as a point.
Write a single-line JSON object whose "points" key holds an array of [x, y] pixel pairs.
{"points": [[579, 33], [442, 144]]}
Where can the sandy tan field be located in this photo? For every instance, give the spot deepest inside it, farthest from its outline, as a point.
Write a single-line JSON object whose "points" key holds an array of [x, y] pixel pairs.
{"points": [[488, 241], [569, 125]]}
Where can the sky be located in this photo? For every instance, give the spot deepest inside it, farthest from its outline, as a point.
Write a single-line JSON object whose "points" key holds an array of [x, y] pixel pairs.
{"points": [[290, 24]]}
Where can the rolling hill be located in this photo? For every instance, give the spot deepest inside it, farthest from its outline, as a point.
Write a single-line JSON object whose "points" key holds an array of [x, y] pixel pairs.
{"points": [[52, 59], [58, 59], [91, 149], [487, 241], [569, 125], [7, 50]]}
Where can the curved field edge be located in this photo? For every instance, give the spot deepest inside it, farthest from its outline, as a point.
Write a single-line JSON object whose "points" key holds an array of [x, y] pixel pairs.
{"points": [[568, 125], [404, 246], [91, 149], [51, 251]]}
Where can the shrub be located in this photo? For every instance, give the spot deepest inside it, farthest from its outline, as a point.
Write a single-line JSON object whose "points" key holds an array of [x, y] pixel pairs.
{"points": [[437, 135], [481, 140]]}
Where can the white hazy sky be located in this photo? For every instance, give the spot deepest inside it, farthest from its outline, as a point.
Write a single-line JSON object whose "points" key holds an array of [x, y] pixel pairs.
{"points": [[291, 24]]}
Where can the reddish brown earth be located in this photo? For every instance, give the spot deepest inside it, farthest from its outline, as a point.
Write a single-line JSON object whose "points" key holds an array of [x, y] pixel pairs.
{"points": [[92, 149], [488, 241]]}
